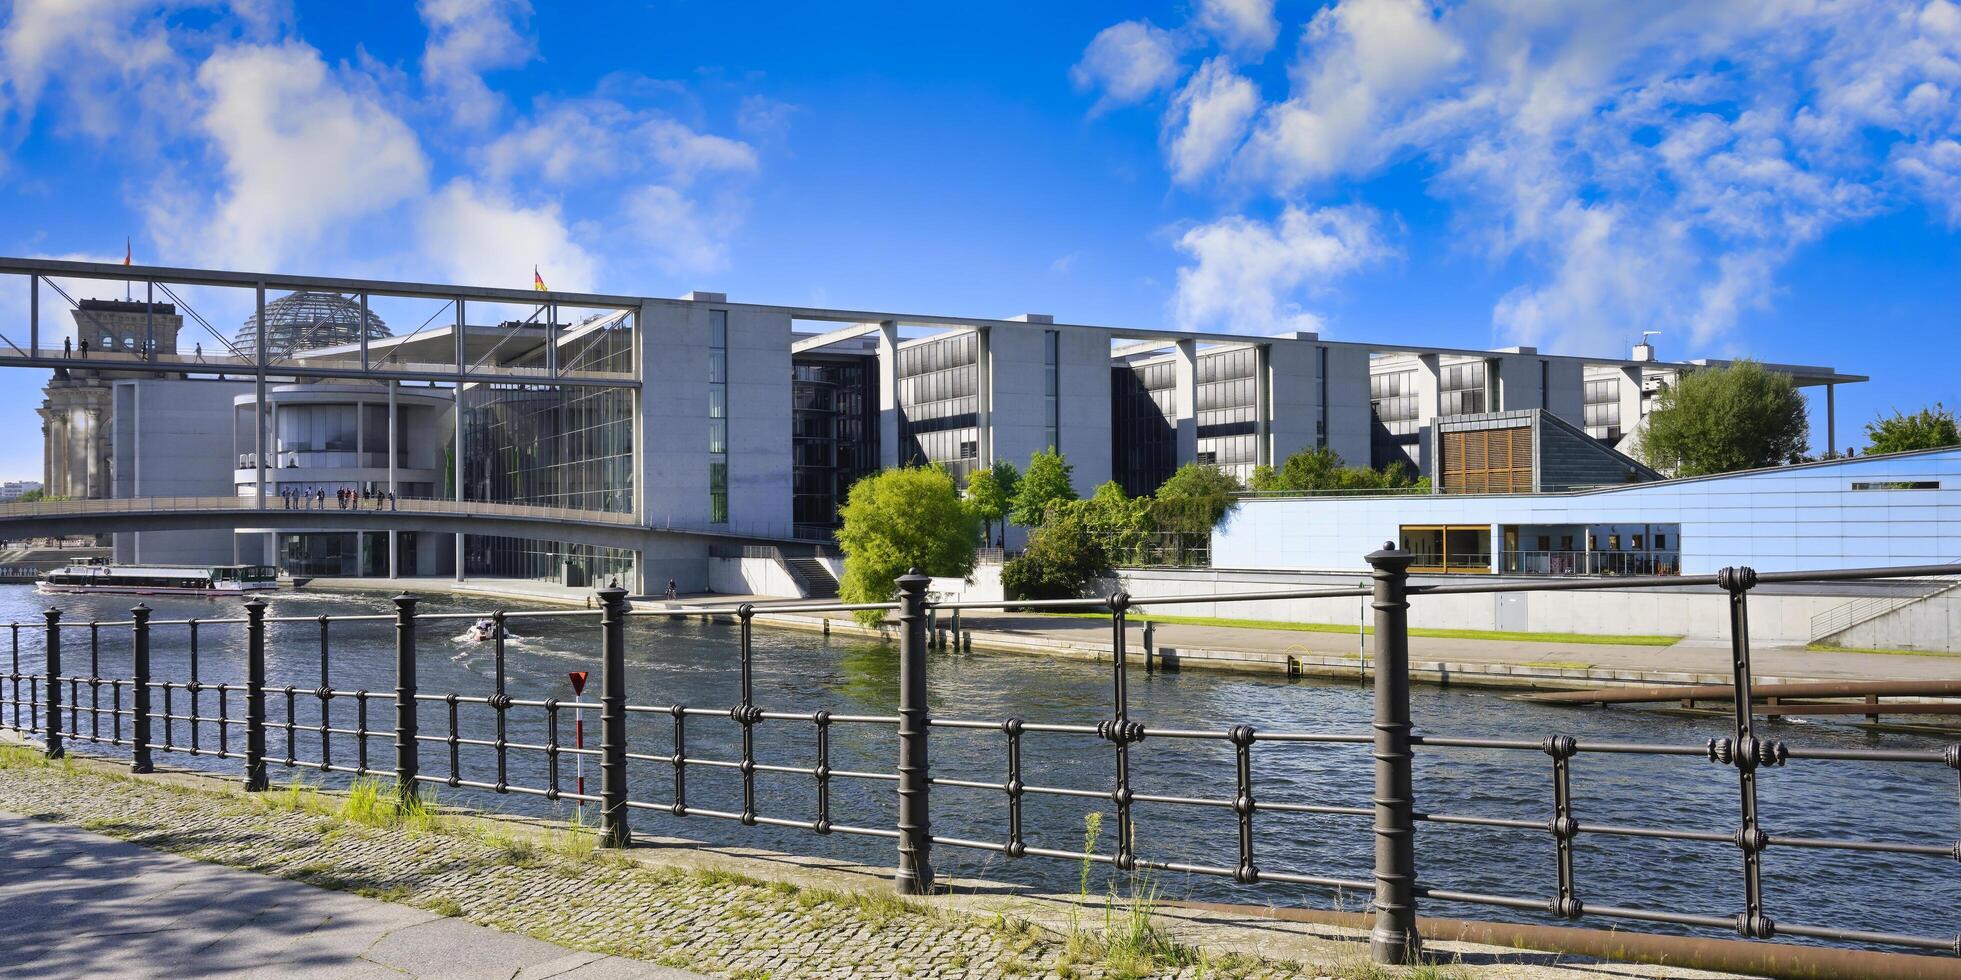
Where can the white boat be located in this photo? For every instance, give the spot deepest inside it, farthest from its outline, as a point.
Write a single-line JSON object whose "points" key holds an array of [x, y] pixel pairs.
{"points": [[484, 630], [206, 580]]}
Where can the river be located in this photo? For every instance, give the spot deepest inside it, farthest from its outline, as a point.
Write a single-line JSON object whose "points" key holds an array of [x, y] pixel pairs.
{"points": [[695, 664]]}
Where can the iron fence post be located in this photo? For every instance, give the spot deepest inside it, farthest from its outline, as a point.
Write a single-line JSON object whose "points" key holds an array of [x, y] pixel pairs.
{"points": [[255, 695], [140, 694], [405, 743], [915, 875], [1394, 939], [51, 661], [614, 831], [1747, 754]]}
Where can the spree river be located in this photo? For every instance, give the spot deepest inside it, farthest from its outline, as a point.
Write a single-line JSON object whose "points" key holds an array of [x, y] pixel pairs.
{"points": [[694, 663]]}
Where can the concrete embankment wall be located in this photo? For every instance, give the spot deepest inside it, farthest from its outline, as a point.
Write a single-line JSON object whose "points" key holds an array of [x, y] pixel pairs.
{"points": [[1776, 616], [1932, 624]]}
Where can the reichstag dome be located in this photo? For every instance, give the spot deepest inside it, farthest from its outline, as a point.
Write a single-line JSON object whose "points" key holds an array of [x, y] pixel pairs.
{"points": [[307, 320]]}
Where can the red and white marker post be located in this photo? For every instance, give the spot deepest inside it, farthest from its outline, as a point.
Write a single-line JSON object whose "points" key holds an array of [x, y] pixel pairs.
{"points": [[579, 739]]}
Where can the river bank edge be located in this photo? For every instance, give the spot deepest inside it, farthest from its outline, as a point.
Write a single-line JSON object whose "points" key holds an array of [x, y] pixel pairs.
{"points": [[1304, 663]]}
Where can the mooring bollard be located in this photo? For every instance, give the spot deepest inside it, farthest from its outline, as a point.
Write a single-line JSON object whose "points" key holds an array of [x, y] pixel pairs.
{"points": [[613, 828], [1394, 939], [1150, 647], [255, 695], [51, 660], [139, 656], [915, 875], [405, 745]]}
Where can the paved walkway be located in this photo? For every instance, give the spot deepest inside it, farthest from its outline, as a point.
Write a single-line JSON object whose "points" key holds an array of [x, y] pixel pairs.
{"points": [[1698, 657], [80, 904]]}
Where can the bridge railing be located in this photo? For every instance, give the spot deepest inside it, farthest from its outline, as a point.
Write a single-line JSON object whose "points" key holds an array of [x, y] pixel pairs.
{"points": [[325, 501], [361, 732]]}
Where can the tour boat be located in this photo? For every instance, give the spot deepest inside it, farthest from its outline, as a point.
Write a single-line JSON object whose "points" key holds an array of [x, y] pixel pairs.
{"points": [[207, 580]]}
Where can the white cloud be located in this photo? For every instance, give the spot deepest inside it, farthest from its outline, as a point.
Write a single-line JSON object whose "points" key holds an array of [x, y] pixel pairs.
{"points": [[466, 39], [683, 241], [112, 60], [1208, 119], [1128, 62], [590, 139], [303, 155], [478, 236], [1247, 276], [1648, 166], [1246, 26], [1360, 61]]}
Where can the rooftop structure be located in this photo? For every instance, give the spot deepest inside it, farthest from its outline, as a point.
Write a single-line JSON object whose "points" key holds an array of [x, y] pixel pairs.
{"points": [[307, 320]]}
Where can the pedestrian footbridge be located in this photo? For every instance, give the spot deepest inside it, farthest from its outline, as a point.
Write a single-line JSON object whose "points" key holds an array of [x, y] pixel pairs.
{"points": [[50, 518]]}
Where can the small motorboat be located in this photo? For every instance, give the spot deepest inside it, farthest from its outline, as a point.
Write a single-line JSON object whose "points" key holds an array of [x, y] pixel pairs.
{"points": [[484, 630]]}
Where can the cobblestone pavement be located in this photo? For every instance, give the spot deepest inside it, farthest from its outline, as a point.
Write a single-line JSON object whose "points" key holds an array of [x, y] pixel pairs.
{"points": [[78, 904], [553, 885]]}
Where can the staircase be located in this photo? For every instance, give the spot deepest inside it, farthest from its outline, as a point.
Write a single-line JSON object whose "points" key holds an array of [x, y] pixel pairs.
{"points": [[813, 575], [1858, 612]]}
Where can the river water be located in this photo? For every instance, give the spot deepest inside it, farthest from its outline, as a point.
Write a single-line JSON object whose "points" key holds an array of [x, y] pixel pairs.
{"points": [[695, 664]]}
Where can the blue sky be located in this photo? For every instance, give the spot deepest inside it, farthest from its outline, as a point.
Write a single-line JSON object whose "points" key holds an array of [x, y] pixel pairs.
{"points": [[1773, 178]]}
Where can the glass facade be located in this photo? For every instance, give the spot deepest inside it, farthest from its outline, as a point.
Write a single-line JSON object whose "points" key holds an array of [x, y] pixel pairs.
{"points": [[1393, 431], [939, 403], [346, 555], [834, 434], [575, 565], [1461, 389], [1603, 409], [1228, 407], [1143, 426], [718, 416]]}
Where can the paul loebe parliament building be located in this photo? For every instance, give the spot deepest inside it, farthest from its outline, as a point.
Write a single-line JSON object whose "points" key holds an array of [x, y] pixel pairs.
{"points": [[579, 438]]}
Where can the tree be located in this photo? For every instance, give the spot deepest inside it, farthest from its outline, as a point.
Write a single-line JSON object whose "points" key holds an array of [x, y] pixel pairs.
{"points": [[1119, 522], [29, 496], [1716, 420], [900, 519], [991, 493], [1311, 470], [1062, 558], [1046, 481], [1212, 492], [1929, 428]]}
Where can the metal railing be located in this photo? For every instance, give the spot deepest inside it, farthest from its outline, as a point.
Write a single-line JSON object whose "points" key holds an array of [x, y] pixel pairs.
{"points": [[1838, 619], [56, 705], [326, 502]]}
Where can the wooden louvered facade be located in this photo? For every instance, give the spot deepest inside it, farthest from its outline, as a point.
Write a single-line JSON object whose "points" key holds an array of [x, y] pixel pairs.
{"points": [[1497, 460]]}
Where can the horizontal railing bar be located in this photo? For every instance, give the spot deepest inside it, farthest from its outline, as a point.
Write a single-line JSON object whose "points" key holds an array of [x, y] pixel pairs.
{"points": [[1615, 830], [1316, 808], [1858, 936], [1475, 821], [1884, 847]]}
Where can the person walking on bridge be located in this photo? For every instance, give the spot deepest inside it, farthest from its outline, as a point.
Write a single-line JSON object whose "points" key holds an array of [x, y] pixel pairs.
{"points": [[391, 500], [321, 495]]}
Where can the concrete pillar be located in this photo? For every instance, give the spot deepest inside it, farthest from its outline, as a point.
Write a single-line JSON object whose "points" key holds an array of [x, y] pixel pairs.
{"points": [[1429, 405], [1630, 400], [1186, 374], [1263, 406], [888, 394], [1497, 548], [1831, 420]]}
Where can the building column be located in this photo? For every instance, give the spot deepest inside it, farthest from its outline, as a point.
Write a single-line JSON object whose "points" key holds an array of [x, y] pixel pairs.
{"points": [[394, 433], [984, 398], [1497, 548], [888, 394], [1831, 420], [1262, 406], [1185, 375]]}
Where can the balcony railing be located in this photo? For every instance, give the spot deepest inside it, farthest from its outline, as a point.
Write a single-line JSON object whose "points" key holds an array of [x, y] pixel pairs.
{"points": [[1591, 563]]}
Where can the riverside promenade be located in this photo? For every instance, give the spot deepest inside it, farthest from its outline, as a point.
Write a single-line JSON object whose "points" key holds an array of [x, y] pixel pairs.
{"points": [[80, 904]]}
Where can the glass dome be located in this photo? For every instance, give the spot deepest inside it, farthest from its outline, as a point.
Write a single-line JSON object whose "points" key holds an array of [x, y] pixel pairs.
{"points": [[307, 320]]}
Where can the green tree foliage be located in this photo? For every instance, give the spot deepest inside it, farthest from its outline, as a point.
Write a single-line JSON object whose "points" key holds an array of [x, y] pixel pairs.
{"points": [[29, 496], [1120, 522], [1062, 558], [991, 495], [1312, 470], [1929, 428], [1717, 420], [1207, 493], [1045, 482], [899, 519]]}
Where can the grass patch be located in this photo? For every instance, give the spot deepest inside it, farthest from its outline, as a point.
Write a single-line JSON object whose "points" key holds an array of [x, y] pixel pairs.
{"points": [[1888, 651], [28, 757], [446, 906], [1642, 640], [376, 803]]}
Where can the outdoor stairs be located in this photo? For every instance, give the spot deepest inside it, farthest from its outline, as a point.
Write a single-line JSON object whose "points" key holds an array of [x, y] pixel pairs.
{"points": [[814, 576], [1859, 612]]}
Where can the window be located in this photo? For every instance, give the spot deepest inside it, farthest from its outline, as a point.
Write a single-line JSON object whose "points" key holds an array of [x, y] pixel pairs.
{"points": [[1545, 542], [1487, 460], [1613, 542], [1661, 542], [1052, 367], [1602, 413], [1462, 388], [718, 424], [1637, 542]]}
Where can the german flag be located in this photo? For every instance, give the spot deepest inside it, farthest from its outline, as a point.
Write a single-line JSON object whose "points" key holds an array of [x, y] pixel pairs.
{"points": [[537, 281]]}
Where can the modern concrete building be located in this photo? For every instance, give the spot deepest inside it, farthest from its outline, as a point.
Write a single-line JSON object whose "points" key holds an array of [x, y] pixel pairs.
{"points": [[709, 420], [1892, 510]]}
